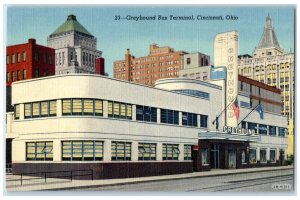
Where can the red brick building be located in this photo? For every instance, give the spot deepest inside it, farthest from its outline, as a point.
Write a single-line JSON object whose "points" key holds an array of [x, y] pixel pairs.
{"points": [[100, 66], [162, 62], [27, 61]]}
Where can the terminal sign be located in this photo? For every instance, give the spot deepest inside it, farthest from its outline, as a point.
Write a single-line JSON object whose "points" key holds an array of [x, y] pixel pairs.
{"points": [[239, 131]]}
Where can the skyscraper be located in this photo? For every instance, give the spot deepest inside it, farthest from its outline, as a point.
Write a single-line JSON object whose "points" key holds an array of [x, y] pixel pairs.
{"points": [[75, 48]]}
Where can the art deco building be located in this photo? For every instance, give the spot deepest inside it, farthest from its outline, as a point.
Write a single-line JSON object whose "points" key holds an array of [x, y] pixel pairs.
{"points": [[271, 65], [162, 62], [75, 49]]}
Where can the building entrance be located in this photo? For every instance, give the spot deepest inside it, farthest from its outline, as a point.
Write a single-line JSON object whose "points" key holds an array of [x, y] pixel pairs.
{"points": [[231, 158], [215, 156]]}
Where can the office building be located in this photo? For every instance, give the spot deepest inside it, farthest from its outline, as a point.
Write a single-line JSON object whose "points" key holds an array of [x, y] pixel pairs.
{"points": [[162, 62], [75, 48]]}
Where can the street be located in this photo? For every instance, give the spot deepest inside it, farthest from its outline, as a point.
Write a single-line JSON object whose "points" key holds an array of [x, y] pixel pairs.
{"points": [[271, 181]]}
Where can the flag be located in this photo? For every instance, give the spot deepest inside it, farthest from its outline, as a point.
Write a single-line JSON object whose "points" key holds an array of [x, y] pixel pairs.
{"points": [[260, 111], [236, 108]]}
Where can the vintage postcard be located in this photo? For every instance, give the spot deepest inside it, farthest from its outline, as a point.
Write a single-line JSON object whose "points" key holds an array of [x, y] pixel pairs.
{"points": [[148, 98]]}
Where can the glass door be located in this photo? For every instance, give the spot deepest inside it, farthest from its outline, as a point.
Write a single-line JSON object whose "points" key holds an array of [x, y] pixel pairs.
{"points": [[231, 159], [214, 156]]}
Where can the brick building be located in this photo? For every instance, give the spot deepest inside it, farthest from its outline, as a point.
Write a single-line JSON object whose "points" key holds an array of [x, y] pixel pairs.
{"points": [[162, 62], [27, 61]]}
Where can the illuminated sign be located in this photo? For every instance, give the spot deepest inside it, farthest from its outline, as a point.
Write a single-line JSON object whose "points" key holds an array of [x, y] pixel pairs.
{"points": [[226, 54], [239, 131]]}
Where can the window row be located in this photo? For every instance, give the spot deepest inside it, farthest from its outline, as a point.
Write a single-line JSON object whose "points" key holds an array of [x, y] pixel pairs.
{"points": [[93, 107], [37, 109], [264, 129], [12, 58], [262, 155], [195, 93], [90, 150], [11, 77]]}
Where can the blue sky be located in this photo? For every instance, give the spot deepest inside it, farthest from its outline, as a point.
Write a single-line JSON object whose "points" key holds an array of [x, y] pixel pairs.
{"points": [[114, 37]]}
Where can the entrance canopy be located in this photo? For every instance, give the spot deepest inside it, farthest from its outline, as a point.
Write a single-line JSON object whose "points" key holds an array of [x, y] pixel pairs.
{"points": [[219, 135]]}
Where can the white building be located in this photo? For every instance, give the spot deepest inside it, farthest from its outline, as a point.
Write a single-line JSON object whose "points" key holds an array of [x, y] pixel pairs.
{"points": [[75, 48], [122, 129]]}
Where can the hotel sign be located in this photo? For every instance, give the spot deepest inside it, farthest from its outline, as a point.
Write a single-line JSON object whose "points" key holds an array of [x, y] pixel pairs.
{"points": [[239, 131], [226, 54]]}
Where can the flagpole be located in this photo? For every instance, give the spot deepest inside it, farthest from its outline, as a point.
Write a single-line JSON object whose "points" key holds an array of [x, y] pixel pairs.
{"points": [[248, 114]]}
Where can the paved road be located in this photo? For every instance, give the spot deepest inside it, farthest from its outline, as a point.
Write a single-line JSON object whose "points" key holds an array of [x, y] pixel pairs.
{"points": [[273, 181]]}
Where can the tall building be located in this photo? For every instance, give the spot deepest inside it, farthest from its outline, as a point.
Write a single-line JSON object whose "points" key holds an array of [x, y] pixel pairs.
{"points": [[75, 48], [27, 61], [271, 65], [162, 62]]}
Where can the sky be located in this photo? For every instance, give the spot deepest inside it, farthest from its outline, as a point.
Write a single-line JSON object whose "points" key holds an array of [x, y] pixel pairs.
{"points": [[115, 36]]}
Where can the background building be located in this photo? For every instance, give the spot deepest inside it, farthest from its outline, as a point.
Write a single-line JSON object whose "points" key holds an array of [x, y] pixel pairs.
{"points": [[270, 65], [75, 48], [196, 66], [27, 61], [162, 62]]}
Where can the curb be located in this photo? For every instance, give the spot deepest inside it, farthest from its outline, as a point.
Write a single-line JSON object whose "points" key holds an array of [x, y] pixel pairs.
{"points": [[163, 179]]}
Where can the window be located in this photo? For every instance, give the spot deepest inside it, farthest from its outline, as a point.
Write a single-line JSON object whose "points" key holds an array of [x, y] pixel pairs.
{"points": [[272, 130], [98, 107], [24, 56], [39, 151], [187, 152], [7, 59], [45, 58], [244, 124], [77, 107], [50, 59], [263, 129], [17, 111], [188, 61], [27, 110], [24, 74], [44, 108], [52, 108], [252, 126], [281, 131], [35, 109], [18, 75], [203, 121], [13, 76], [273, 155], [147, 151], [170, 151], [88, 107], [252, 155], [204, 155], [120, 151], [13, 58], [243, 156], [36, 56], [7, 77], [66, 106], [195, 93], [263, 155], [169, 116], [36, 73], [82, 150], [244, 104], [189, 119], [119, 110], [18, 57], [146, 113]]}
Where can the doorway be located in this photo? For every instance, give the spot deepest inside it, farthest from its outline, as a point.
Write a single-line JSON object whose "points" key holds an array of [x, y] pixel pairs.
{"points": [[232, 159], [215, 156]]}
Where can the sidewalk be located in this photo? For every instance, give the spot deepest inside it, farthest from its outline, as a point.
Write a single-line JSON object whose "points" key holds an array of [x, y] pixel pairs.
{"points": [[64, 184]]}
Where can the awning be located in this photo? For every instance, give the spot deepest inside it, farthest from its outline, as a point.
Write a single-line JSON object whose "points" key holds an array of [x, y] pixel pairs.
{"points": [[219, 135]]}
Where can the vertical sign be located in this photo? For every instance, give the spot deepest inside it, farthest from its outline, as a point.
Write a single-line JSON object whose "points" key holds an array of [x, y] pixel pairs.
{"points": [[226, 54]]}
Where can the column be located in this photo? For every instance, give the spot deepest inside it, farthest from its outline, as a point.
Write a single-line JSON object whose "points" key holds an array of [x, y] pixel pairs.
{"points": [[158, 116], [180, 118], [134, 151], [181, 155], [59, 107], [105, 109], [133, 112], [57, 150], [268, 154], [198, 121], [22, 111], [107, 150], [159, 152], [257, 154]]}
